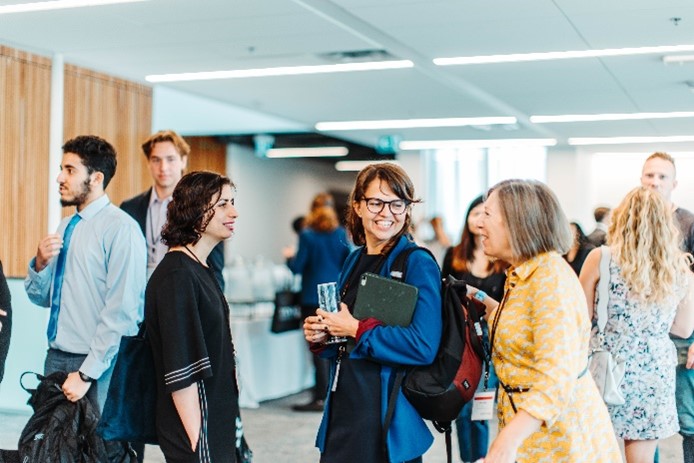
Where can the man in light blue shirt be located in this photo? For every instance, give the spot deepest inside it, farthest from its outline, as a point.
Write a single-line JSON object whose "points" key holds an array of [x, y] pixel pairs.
{"points": [[100, 297]]}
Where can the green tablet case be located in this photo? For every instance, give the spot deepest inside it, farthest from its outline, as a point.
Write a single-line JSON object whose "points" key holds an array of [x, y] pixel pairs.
{"points": [[390, 301]]}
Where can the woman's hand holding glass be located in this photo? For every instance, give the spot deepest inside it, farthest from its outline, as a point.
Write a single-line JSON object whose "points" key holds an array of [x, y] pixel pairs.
{"points": [[339, 324], [315, 331]]}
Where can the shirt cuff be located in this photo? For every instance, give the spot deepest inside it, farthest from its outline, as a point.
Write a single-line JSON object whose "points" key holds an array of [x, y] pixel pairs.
{"points": [[44, 274], [366, 325], [94, 368]]}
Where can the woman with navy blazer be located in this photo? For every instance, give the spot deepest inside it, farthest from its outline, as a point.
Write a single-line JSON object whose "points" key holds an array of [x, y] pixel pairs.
{"points": [[361, 377]]}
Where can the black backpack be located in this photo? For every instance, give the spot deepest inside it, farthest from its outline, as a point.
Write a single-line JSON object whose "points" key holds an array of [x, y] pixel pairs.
{"points": [[440, 390], [61, 431]]}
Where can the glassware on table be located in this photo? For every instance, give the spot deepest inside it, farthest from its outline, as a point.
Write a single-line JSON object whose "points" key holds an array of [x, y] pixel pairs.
{"points": [[327, 300]]}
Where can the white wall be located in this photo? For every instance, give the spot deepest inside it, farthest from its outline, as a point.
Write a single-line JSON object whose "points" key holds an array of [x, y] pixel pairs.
{"points": [[570, 177], [195, 115], [270, 194], [585, 178]]}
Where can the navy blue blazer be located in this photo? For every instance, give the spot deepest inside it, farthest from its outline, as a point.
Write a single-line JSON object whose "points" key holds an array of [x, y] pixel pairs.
{"points": [[137, 206], [417, 344], [319, 259]]}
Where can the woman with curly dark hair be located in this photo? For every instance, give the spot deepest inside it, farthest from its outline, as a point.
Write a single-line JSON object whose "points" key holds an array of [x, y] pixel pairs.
{"points": [[187, 320]]}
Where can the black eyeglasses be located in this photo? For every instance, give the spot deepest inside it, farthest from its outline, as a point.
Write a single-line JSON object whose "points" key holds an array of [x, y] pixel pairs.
{"points": [[396, 206]]}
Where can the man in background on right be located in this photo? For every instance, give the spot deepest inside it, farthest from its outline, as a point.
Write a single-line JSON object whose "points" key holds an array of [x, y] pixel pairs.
{"points": [[602, 218], [659, 174]]}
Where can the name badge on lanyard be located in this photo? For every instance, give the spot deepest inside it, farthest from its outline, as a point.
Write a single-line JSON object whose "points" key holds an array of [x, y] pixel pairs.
{"points": [[483, 405]]}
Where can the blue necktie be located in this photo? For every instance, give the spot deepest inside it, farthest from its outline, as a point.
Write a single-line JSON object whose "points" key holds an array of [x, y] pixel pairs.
{"points": [[58, 279]]}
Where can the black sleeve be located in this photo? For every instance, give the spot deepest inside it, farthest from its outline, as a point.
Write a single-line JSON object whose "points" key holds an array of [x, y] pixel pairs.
{"points": [[6, 332], [216, 262], [184, 352]]}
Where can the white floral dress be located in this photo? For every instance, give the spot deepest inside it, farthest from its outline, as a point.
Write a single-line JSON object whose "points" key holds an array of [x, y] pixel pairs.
{"points": [[638, 333]]}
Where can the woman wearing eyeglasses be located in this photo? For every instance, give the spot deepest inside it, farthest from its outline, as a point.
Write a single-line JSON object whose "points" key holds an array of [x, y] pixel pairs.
{"points": [[352, 428]]}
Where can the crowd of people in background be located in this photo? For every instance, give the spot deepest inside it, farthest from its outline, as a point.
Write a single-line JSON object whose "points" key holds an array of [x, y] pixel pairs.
{"points": [[159, 258]]}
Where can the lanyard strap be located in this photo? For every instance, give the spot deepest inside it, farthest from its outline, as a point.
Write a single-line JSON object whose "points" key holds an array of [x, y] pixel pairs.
{"points": [[497, 316]]}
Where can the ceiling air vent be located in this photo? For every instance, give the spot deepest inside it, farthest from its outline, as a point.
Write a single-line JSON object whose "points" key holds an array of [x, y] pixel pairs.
{"points": [[357, 56]]}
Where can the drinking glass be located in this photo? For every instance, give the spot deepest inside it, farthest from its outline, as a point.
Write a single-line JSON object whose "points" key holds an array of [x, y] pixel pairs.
{"points": [[327, 300]]}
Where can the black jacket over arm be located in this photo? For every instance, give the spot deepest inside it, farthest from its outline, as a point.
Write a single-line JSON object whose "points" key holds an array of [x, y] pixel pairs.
{"points": [[137, 208], [6, 331]]}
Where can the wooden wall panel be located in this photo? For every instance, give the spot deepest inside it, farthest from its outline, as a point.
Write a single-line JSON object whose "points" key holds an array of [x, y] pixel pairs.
{"points": [[24, 127], [207, 153], [117, 110]]}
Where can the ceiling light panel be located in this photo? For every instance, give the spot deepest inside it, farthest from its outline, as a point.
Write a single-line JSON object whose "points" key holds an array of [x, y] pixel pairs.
{"points": [[281, 71], [608, 117], [415, 123], [678, 59], [445, 144], [58, 5], [356, 166], [313, 152], [557, 55], [629, 140]]}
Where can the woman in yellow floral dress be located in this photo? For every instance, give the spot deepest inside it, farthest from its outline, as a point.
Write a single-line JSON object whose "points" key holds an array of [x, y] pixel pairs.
{"points": [[549, 407]]}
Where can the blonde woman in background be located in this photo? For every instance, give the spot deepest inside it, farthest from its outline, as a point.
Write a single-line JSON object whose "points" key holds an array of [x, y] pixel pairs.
{"points": [[651, 294]]}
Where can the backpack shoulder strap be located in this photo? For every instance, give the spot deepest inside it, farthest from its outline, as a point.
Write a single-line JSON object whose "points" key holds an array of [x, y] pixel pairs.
{"points": [[603, 286], [399, 267], [392, 398]]}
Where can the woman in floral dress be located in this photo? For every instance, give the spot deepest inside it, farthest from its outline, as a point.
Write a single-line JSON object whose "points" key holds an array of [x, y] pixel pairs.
{"points": [[650, 294]]}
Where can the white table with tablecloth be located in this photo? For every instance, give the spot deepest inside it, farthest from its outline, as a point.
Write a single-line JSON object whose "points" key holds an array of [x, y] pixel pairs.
{"points": [[270, 365]]}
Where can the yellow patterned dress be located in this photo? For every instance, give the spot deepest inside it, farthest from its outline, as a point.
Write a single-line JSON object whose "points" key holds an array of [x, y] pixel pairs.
{"points": [[541, 344]]}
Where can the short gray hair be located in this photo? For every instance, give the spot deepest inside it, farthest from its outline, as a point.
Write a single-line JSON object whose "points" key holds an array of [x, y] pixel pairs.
{"points": [[534, 219]]}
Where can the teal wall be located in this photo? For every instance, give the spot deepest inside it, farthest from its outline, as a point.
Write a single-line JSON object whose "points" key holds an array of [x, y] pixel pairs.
{"points": [[27, 347]]}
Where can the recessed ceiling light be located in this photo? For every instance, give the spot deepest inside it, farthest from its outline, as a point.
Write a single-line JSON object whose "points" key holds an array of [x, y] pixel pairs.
{"points": [[628, 140], [281, 71], [609, 117], [413, 123], [58, 5], [678, 59], [356, 166], [553, 55], [444, 144], [312, 152]]}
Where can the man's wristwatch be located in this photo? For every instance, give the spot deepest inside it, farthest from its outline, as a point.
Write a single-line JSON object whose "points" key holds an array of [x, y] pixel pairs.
{"points": [[85, 378]]}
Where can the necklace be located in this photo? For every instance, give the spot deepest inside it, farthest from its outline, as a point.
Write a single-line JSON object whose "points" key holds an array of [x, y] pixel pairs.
{"points": [[193, 255]]}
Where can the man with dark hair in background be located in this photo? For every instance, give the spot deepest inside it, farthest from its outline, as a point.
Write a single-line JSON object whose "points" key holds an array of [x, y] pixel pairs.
{"points": [[167, 157], [659, 174], [598, 236], [91, 274]]}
